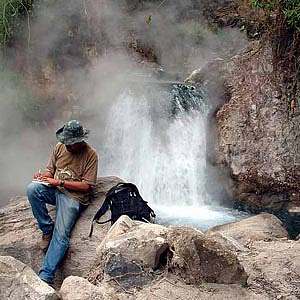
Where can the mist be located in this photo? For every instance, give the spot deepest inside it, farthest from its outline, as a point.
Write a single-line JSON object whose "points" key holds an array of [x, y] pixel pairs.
{"points": [[85, 54]]}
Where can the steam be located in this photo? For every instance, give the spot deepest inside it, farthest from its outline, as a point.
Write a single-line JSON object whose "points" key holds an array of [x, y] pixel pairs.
{"points": [[85, 54]]}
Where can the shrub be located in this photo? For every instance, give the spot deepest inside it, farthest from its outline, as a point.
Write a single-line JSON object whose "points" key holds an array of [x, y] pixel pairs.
{"points": [[289, 8], [12, 13]]}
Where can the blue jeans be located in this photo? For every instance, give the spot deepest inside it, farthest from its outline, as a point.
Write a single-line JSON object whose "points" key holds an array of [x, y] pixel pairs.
{"points": [[67, 212]]}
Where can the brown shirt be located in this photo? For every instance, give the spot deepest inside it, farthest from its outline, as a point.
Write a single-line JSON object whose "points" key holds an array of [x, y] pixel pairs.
{"points": [[68, 166]]}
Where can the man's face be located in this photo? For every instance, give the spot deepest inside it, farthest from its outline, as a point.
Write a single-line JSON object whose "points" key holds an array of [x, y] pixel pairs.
{"points": [[76, 148]]}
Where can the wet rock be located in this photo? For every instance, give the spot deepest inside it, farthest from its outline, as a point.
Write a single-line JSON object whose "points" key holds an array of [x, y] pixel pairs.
{"points": [[198, 258], [264, 226], [19, 235], [78, 288], [18, 282]]}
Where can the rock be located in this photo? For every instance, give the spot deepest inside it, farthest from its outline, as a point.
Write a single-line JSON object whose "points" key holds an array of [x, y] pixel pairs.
{"points": [[172, 288], [198, 258], [274, 267], [19, 234], [261, 227], [140, 242], [129, 250], [132, 249], [257, 134], [168, 287], [18, 282], [209, 72], [78, 288]]}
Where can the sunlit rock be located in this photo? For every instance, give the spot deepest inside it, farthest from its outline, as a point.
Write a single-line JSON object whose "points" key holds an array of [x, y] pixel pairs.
{"points": [[265, 227], [78, 288], [132, 250], [198, 258], [19, 282]]}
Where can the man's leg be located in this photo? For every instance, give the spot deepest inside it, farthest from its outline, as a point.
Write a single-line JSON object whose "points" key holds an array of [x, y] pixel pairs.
{"points": [[38, 195], [67, 212]]}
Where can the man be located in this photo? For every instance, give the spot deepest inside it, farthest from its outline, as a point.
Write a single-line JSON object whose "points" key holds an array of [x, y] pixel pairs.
{"points": [[67, 183]]}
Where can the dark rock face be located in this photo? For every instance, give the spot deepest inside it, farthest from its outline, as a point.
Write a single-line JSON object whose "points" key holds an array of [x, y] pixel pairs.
{"points": [[128, 273]]}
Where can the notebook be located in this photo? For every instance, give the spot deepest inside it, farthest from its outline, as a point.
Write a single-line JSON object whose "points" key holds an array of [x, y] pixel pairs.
{"points": [[41, 182]]}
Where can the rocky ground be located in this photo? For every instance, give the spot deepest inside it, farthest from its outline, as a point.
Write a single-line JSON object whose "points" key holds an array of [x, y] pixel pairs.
{"points": [[249, 259]]}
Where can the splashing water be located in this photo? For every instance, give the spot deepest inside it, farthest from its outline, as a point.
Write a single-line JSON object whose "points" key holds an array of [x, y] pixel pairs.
{"points": [[157, 140]]}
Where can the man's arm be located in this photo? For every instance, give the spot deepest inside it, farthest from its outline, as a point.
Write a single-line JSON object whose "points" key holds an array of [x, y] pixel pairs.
{"points": [[79, 186]]}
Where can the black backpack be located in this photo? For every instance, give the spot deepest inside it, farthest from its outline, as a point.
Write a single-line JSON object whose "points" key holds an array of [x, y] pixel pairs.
{"points": [[124, 199]]}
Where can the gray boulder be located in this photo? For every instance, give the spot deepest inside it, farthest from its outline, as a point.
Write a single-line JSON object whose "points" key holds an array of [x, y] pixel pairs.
{"points": [[18, 282], [264, 227], [129, 251], [132, 250], [199, 258]]}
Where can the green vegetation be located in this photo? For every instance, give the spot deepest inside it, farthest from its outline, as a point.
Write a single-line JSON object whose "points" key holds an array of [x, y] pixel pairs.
{"points": [[12, 16], [289, 8]]}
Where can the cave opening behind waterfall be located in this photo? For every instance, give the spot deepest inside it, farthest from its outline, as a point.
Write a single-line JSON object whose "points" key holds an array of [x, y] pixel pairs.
{"points": [[155, 137]]}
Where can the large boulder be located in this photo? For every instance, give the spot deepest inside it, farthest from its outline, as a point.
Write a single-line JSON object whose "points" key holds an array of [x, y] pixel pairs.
{"points": [[19, 235], [132, 250], [18, 282], [198, 258], [129, 250], [265, 227]]}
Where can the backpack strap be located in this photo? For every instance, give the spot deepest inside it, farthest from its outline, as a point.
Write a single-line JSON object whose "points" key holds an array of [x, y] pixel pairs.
{"points": [[98, 222], [103, 209]]}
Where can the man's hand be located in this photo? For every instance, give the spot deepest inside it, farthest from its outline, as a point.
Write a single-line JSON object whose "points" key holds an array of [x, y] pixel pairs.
{"points": [[39, 175], [52, 181], [70, 185]]}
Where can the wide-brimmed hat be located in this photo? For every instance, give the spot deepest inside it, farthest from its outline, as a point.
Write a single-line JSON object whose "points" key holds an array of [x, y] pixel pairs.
{"points": [[72, 132]]}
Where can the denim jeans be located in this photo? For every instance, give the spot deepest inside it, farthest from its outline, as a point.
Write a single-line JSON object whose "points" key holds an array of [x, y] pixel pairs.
{"points": [[67, 212]]}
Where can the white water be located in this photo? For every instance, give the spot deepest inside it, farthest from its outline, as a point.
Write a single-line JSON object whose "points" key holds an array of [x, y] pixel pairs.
{"points": [[164, 156]]}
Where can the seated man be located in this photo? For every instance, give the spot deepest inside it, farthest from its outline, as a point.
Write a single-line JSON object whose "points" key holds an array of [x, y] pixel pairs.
{"points": [[67, 183]]}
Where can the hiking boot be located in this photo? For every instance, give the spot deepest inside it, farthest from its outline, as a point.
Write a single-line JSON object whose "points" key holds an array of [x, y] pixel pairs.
{"points": [[45, 241]]}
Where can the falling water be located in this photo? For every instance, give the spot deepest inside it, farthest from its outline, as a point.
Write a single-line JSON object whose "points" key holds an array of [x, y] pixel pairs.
{"points": [[155, 137]]}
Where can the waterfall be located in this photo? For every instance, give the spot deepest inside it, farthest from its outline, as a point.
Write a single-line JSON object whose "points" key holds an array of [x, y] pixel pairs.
{"points": [[155, 137]]}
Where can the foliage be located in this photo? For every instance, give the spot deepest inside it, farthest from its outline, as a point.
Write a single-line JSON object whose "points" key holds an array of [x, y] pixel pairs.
{"points": [[12, 13], [292, 13], [289, 8]]}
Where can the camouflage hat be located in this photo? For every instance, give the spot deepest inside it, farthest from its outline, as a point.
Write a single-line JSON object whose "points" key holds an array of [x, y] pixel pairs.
{"points": [[72, 132]]}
